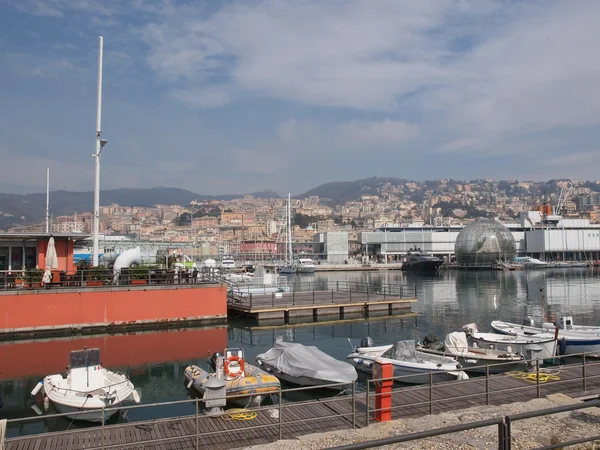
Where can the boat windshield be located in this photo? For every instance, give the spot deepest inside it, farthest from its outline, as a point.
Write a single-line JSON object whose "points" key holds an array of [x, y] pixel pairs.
{"points": [[84, 358]]}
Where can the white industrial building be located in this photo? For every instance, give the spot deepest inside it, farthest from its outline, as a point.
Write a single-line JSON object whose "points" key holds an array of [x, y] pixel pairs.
{"points": [[550, 238]]}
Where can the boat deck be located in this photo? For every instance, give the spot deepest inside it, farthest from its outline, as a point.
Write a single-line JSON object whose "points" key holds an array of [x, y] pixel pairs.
{"points": [[300, 418]]}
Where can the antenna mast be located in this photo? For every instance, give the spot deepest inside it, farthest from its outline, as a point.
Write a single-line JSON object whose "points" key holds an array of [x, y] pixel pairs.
{"points": [[47, 200]]}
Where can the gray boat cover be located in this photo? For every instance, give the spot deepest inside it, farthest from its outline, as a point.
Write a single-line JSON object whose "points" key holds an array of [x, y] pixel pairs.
{"points": [[299, 360], [406, 351]]}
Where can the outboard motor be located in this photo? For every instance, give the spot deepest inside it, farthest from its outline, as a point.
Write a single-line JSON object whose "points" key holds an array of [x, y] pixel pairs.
{"points": [[528, 321], [367, 342], [212, 361]]}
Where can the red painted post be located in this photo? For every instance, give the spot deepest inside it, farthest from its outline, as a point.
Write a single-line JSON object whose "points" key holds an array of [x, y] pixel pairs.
{"points": [[383, 391]]}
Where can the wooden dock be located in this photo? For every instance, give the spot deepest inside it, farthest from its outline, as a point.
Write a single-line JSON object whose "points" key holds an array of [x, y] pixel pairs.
{"points": [[291, 420], [287, 306]]}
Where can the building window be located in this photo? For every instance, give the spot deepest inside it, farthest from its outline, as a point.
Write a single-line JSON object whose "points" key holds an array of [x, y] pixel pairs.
{"points": [[3, 258], [16, 258], [30, 257]]}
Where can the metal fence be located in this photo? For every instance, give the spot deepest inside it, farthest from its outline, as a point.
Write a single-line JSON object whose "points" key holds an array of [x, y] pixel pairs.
{"points": [[318, 293], [535, 381], [503, 424], [103, 277], [278, 405], [360, 404]]}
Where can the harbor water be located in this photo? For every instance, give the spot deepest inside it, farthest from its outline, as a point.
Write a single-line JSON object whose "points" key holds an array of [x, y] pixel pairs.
{"points": [[155, 361]]}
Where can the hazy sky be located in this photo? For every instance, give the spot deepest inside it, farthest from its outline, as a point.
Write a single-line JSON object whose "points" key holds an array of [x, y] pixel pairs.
{"points": [[236, 96]]}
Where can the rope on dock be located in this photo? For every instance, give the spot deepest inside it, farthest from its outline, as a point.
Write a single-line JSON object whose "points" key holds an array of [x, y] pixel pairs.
{"points": [[532, 377], [240, 414]]}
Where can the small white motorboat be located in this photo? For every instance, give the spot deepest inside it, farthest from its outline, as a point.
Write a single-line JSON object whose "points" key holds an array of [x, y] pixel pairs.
{"points": [[473, 359], [564, 324], [572, 339], [305, 265], [532, 263], [406, 360], [88, 388], [305, 366], [540, 346]]}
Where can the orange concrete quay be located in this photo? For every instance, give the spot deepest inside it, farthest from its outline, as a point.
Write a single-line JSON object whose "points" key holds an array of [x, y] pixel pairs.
{"points": [[59, 311]]}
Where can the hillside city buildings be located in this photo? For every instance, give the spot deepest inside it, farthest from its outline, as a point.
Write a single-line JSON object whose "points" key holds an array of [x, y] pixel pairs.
{"points": [[251, 225]]}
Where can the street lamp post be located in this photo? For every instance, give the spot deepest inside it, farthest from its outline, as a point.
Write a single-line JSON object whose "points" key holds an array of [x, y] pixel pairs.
{"points": [[100, 143]]}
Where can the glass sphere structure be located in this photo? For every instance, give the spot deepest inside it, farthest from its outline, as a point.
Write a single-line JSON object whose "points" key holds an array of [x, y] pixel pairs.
{"points": [[483, 243]]}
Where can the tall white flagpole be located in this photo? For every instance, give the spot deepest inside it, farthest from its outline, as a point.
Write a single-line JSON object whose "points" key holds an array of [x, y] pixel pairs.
{"points": [[47, 199], [96, 156]]}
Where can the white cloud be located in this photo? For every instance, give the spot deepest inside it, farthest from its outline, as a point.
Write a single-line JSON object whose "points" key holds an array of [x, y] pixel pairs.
{"points": [[464, 78], [210, 97], [390, 131], [483, 71]]}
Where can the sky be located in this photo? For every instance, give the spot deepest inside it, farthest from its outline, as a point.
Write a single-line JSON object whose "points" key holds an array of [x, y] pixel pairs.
{"points": [[223, 97]]}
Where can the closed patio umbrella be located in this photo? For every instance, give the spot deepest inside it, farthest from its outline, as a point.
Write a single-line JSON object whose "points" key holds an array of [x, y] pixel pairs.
{"points": [[51, 261]]}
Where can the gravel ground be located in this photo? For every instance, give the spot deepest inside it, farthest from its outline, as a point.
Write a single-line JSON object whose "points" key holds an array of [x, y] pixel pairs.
{"points": [[526, 434]]}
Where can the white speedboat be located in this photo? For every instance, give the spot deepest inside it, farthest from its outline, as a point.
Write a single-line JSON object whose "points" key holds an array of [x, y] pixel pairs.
{"points": [[88, 388], [227, 263], [473, 359], [406, 360], [305, 265], [572, 339], [532, 263], [542, 346], [305, 365]]}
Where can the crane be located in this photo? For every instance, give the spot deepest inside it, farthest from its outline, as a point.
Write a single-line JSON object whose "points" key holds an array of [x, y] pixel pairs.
{"points": [[562, 199]]}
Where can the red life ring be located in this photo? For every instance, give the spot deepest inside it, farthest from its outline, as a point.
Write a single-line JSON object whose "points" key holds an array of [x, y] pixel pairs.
{"points": [[239, 365]]}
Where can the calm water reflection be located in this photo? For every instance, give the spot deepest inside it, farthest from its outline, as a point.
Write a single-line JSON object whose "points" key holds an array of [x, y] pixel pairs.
{"points": [[156, 360]]}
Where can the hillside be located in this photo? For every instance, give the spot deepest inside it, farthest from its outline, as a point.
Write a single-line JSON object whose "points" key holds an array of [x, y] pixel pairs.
{"points": [[338, 192], [17, 209]]}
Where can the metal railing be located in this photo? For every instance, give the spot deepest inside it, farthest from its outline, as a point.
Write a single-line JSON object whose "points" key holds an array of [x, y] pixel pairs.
{"points": [[362, 403], [104, 277], [325, 291], [533, 378], [278, 406]]}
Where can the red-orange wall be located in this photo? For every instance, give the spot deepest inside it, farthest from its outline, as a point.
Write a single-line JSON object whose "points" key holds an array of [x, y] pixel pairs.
{"points": [[27, 358], [110, 307]]}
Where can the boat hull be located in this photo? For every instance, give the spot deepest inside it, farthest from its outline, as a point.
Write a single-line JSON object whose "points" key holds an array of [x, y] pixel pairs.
{"points": [[478, 364], [305, 269], [522, 346], [87, 414], [570, 342], [415, 375], [421, 266]]}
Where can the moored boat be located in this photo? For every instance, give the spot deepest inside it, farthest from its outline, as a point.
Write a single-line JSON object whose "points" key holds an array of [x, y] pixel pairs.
{"points": [[305, 366], [407, 360], [242, 379], [542, 346], [87, 389], [572, 339], [305, 265], [472, 359], [418, 261]]}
